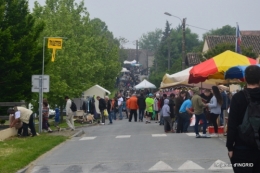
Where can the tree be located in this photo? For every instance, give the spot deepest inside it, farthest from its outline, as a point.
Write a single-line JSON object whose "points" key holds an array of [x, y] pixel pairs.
{"points": [[225, 30], [89, 56], [20, 55], [220, 48], [151, 40]]}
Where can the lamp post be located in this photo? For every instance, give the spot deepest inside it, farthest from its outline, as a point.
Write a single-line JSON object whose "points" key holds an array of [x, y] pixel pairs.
{"points": [[183, 21], [41, 81]]}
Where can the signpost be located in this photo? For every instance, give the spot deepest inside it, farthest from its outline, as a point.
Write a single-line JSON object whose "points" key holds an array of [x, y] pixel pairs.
{"points": [[40, 83]]}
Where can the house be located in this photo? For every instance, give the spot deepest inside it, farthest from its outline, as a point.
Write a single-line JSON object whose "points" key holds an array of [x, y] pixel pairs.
{"points": [[192, 59], [249, 39], [143, 57]]}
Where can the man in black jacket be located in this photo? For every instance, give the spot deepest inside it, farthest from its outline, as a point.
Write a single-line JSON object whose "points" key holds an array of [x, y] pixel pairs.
{"points": [[141, 105], [239, 151], [102, 106]]}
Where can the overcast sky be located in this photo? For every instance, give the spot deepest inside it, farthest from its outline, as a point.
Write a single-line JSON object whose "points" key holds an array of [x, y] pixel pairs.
{"points": [[132, 18]]}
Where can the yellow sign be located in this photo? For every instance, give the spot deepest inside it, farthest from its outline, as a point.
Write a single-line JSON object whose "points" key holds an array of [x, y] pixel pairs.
{"points": [[55, 43], [53, 55]]}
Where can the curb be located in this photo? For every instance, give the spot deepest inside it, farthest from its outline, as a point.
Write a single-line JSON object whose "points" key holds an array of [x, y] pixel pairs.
{"points": [[23, 170], [78, 134]]}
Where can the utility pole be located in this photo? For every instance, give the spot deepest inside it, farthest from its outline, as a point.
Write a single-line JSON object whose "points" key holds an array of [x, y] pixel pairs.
{"points": [[183, 43], [137, 56], [169, 52]]}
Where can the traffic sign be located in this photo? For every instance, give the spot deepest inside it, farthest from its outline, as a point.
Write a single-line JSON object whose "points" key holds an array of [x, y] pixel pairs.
{"points": [[36, 83]]}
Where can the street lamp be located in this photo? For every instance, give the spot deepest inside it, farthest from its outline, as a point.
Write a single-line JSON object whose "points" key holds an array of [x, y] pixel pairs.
{"points": [[41, 81], [183, 21]]}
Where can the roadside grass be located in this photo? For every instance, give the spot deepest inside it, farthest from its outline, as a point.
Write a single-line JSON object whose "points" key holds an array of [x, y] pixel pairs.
{"points": [[16, 153]]}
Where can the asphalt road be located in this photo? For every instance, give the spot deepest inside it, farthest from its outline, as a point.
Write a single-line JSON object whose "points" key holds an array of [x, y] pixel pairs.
{"points": [[135, 147]]}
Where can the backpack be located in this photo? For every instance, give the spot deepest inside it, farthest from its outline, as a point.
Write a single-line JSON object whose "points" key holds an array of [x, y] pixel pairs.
{"points": [[249, 129], [73, 107]]}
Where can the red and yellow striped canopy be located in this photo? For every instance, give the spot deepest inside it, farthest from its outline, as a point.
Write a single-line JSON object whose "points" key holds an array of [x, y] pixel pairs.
{"points": [[216, 67]]}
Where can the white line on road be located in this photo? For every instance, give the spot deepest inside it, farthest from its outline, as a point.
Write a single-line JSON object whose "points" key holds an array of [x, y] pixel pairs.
{"points": [[87, 138], [160, 166], [189, 165], [158, 135], [123, 136], [191, 134]]}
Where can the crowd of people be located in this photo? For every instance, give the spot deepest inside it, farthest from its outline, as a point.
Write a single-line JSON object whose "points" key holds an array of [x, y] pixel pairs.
{"points": [[178, 108]]}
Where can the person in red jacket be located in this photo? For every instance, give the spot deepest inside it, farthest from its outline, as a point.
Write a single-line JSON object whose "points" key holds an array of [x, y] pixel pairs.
{"points": [[133, 106]]}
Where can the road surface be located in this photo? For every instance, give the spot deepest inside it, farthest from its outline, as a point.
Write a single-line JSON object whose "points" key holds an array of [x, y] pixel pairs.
{"points": [[135, 147]]}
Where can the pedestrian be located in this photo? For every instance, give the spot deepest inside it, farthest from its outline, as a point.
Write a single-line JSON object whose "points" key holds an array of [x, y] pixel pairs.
{"points": [[26, 116], [179, 98], [224, 105], [69, 114], [215, 108], [108, 106], [102, 107], [238, 150], [120, 106], [141, 105], [127, 111], [206, 97], [198, 106], [167, 118], [161, 103], [156, 107], [18, 125], [133, 106], [115, 107], [45, 117], [172, 105], [149, 101], [185, 111], [57, 118]]}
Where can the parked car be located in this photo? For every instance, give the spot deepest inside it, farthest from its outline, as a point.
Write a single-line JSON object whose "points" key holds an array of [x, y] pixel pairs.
{"points": [[51, 113]]}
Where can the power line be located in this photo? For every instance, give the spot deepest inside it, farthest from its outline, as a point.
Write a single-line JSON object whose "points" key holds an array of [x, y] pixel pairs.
{"points": [[197, 27]]}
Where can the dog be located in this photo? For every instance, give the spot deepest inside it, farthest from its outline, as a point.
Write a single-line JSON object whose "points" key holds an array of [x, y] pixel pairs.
{"points": [[89, 118]]}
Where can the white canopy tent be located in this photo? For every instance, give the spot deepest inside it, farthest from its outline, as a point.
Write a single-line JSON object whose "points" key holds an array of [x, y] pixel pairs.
{"points": [[130, 62], [144, 84], [124, 70], [182, 78], [96, 90]]}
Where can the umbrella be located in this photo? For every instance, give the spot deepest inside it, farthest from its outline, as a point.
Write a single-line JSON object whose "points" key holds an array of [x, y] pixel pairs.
{"points": [[144, 84], [215, 67], [182, 78], [236, 72]]}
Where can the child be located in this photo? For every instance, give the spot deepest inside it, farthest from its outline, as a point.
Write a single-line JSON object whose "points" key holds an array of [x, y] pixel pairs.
{"points": [[57, 118], [166, 116]]}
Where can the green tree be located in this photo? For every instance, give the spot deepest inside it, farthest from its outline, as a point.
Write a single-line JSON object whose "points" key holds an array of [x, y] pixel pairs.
{"points": [[20, 55], [225, 30], [89, 56], [220, 48], [151, 40]]}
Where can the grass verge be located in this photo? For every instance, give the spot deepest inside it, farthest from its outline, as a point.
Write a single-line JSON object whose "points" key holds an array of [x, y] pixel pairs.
{"points": [[16, 153]]}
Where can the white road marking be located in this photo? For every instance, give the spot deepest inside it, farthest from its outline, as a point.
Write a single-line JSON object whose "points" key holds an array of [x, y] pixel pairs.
{"points": [[87, 138], [191, 134], [158, 135], [160, 166], [123, 136], [219, 164], [189, 165]]}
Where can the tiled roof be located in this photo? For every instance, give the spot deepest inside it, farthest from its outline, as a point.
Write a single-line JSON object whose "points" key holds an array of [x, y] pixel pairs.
{"points": [[247, 41], [192, 59], [250, 33]]}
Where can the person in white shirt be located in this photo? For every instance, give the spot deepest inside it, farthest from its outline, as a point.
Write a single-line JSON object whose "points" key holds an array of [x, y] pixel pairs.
{"points": [[120, 106], [26, 116], [69, 114]]}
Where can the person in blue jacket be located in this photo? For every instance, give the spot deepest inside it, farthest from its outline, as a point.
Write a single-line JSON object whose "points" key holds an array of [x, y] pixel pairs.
{"points": [[57, 118]]}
